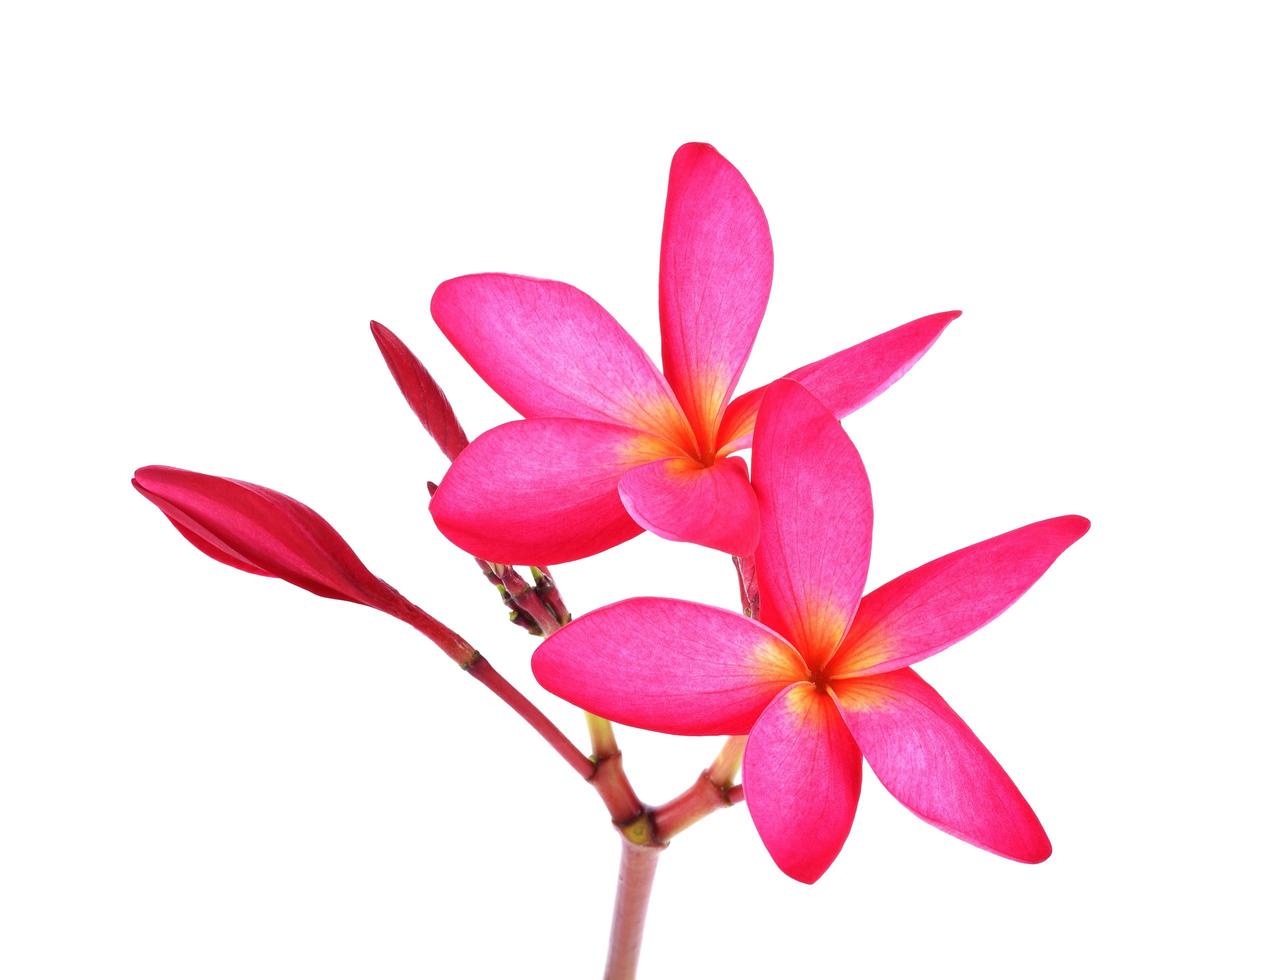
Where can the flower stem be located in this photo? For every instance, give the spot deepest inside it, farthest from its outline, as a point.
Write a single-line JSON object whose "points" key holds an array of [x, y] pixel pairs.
{"points": [[605, 768], [527, 600], [544, 606], [748, 587], [702, 798], [713, 790], [484, 672], [602, 735], [622, 803], [724, 770], [632, 898], [548, 590], [474, 664]]}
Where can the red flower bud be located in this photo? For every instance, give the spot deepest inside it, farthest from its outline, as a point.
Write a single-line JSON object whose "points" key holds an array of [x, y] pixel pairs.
{"points": [[267, 533], [424, 396]]}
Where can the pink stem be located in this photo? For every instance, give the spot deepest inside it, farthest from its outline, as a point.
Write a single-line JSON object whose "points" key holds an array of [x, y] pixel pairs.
{"points": [[702, 798], [622, 803], [632, 898], [474, 664], [527, 600], [483, 671], [451, 643], [548, 589]]}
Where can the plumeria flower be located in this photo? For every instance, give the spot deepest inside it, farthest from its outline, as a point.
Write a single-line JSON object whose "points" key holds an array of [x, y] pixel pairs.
{"points": [[825, 678], [609, 445]]}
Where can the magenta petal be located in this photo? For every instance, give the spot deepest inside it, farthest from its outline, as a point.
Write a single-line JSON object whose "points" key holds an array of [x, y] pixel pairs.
{"points": [[681, 500], [815, 521], [552, 351], [932, 762], [541, 491], [424, 396], [802, 776], [847, 380], [923, 611], [715, 271], [669, 666], [259, 530]]}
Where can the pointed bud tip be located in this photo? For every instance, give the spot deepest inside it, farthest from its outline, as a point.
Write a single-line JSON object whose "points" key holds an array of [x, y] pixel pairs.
{"points": [[382, 336], [147, 478]]}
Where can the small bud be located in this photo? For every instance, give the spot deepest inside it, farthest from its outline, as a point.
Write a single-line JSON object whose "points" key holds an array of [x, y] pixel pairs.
{"points": [[424, 396], [264, 532]]}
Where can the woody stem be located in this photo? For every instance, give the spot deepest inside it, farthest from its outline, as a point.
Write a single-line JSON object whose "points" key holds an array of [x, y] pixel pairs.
{"points": [[632, 899], [646, 836]]}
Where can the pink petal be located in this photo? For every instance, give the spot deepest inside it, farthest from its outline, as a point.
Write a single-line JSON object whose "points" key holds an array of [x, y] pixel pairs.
{"points": [[542, 491], [715, 270], [815, 521], [669, 666], [552, 352], [923, 611], [802, 776], [845, 381], [682, 500], [932, 762], [265, 532], [424, 396]]}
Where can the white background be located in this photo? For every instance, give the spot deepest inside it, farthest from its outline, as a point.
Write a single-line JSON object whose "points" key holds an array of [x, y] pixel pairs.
{"points": [[206, 774]]}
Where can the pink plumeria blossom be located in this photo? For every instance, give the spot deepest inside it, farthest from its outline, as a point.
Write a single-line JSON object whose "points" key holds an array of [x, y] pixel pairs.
{"points": [[824, 678], [609, 445]]}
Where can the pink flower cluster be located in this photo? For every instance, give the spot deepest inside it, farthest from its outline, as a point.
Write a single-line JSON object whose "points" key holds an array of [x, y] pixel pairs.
{"points": [[610, 445]]}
